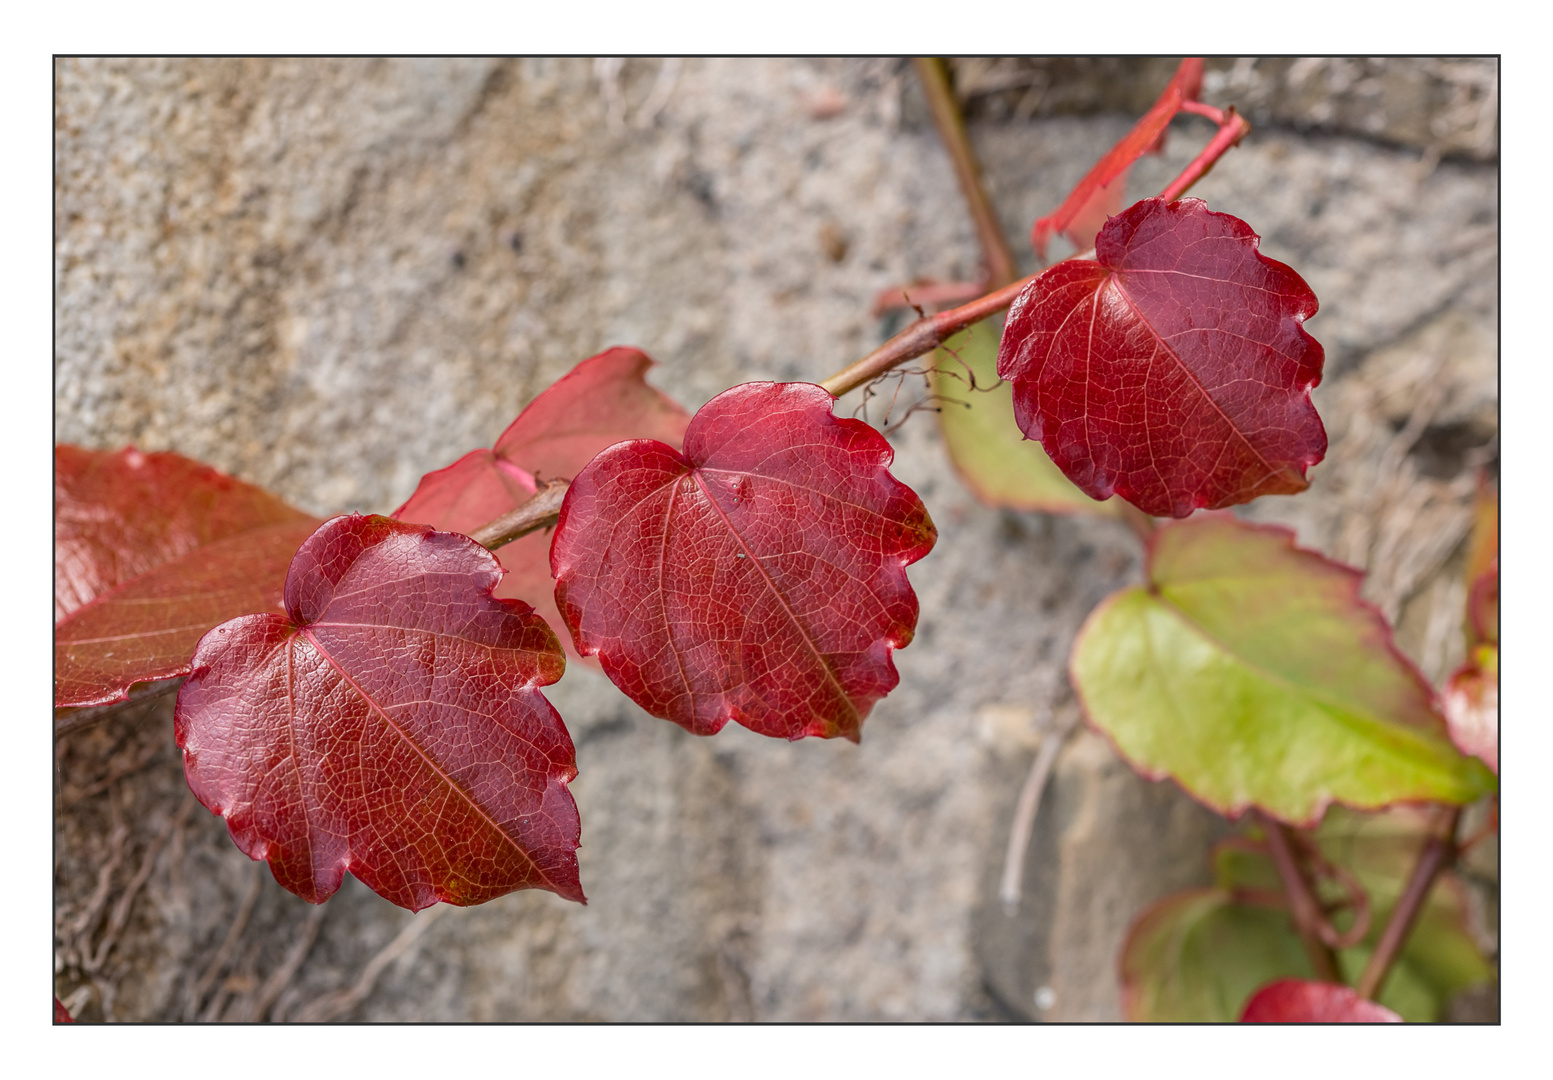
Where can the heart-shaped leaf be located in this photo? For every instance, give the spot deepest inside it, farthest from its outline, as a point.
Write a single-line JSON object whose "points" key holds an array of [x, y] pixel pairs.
{"points": [[1297, 1001], [390, 724], [759, 576], [150, 551], [1174, 370], [1251, 672], [602, 401], [999, 464]]}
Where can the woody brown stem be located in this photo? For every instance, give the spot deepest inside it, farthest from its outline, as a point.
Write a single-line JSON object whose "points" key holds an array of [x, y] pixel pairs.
{"points": [[950, 123], [922, 337], [1437, 853], [542, 511], [1304, 908]]}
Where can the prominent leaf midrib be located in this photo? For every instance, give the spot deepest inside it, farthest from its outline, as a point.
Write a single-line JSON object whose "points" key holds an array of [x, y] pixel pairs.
{"points": [[803, 631], [1341, 712], [430, 763], [1185, 368]]}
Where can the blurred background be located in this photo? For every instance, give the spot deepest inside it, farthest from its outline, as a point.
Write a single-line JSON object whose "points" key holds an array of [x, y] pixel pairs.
{"points": [[328, 277]]}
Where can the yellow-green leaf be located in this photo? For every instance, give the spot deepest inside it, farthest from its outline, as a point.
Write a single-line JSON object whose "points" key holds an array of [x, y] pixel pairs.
{"points": [[1250, 671]]}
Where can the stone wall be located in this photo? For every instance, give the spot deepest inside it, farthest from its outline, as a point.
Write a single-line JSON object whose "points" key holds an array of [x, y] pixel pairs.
{"points": [[328, 277]]}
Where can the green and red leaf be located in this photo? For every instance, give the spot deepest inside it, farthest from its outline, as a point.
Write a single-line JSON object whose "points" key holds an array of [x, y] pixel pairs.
{"points": [[150, 551], [1250, 671]]}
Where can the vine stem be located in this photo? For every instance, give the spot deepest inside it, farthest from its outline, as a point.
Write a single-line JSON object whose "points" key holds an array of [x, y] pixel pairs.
{"points": [[1303, 905], [1232, 128], [947, 118], [1437, 853], [928, 333], [541, 511]]}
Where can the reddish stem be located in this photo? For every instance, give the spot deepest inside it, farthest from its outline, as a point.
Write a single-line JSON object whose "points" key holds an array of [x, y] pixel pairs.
{"points": [[1437, 853], [1184, 85], [1303, 905], [1232, 129], [922, 337]]}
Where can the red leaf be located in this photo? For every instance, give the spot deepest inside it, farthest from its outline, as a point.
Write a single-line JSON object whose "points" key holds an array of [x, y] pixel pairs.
{"points": [[1099, 194], [1295, 1001], [62, 1014], [759, 576], [603, 400], [150, 551], [1174, 371], [390, 724]]}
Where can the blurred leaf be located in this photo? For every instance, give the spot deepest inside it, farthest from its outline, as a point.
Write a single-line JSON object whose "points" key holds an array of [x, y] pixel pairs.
{"points": [[1197, 956], [1471, 702], [989, 451], [1295, 1001], [1250, 671], [150, 551], [1440, 958]]}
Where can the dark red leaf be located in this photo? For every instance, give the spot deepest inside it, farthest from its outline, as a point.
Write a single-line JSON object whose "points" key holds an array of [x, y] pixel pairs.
{"points": [[62, 1014], [1296, 1001], [759, 576], [603, 400], [389, 724], [150, 551], [1099, 194], [1174, 371]]}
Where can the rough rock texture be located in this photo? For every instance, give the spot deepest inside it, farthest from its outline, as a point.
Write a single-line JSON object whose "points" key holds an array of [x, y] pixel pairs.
{"points": [[328, 277]]}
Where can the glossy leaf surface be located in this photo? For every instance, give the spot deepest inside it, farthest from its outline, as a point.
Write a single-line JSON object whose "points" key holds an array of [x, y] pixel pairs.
{"points": [[1099, 194], [1200, 955], [1296, 1001], [1250, 672], [602, 401], [150, 551], [758, 577], [994, 459], [1175, 370], [390, 724]]}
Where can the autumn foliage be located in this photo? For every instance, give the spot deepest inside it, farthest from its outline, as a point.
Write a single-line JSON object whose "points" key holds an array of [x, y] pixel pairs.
{"points": [[365, 694]]}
